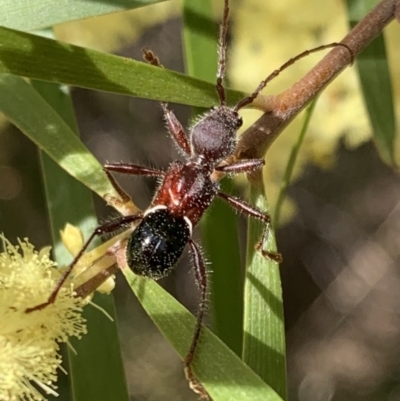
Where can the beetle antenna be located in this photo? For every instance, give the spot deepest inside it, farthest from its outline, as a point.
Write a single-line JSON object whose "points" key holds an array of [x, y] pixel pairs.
{"points": [[249, 99], [222, 54]]}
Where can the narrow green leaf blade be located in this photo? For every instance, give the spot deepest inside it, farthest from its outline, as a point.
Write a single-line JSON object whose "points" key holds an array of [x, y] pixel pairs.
{"points": [[221, 242], [292, 161], [28, 15], [219, 225], [98, 355], [264, 331], [98, 372], [200, 39], [222, 373], [45, 59], [25, 108], [373, 70]]}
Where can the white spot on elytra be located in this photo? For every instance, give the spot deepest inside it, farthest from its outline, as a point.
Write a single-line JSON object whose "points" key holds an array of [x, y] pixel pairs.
{"points": [[153, 209], [189, 223]]}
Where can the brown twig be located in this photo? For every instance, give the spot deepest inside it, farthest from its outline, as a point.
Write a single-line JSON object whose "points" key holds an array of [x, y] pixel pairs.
{"points": [[88, 287], [283, 108], [101, 264]]}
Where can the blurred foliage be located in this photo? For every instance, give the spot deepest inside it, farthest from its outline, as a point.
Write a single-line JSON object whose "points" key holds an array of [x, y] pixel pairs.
{"points": [[255, 50], [112, 31]]}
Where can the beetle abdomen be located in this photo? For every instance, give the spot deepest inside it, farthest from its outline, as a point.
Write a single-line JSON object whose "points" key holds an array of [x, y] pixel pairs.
{"points": [[157, 243]]}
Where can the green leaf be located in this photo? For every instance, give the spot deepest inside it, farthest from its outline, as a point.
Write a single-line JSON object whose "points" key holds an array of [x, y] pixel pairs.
{"points": [[25, 108], [98, 353], [223, 374], [373, 70], [219, 225], [28, 15], [220, 238], [44, 59], [264, 331], [291, 162], [97, 368], [200, 39]]}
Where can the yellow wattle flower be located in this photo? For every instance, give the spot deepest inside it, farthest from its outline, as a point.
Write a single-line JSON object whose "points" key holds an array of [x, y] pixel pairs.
{"points": [[29, 342]]}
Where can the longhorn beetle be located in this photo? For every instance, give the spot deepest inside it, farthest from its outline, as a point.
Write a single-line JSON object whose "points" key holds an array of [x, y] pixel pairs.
{"points": [[186, 190]]}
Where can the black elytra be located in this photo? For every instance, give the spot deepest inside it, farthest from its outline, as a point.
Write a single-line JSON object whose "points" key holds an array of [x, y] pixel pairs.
{"points": [[157, 244]]}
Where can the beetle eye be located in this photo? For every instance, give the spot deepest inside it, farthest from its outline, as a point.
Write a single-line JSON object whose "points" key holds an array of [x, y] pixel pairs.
{"points": [[239, 122]]}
